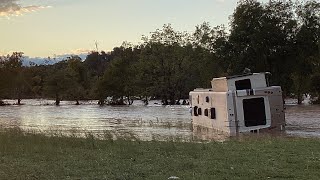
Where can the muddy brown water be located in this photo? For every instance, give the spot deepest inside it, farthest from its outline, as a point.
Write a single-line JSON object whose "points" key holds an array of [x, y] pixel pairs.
{"points": [[152, 122]]}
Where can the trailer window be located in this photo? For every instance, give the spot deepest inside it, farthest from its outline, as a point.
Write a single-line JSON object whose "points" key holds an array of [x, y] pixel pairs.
{"points": [[254, 112], [213, 113], [195, 111], [243, 84], [206, 112], [207, 99]]}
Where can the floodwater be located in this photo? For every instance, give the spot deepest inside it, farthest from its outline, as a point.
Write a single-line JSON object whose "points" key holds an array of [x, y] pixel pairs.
{"points": [[152, 122]]}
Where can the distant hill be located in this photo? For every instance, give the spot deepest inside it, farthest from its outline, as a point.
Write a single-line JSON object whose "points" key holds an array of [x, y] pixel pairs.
{"points": [[27, 61]]}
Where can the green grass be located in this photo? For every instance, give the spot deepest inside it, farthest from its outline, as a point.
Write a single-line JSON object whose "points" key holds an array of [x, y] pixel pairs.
{"points": [[34, 156]]}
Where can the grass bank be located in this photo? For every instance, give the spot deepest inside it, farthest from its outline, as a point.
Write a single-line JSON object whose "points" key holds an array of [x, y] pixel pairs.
{"points": [[34, 156]]}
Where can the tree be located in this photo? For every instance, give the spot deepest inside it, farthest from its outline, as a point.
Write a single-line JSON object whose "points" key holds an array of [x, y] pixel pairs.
{"points": [[306, 46], [262, 38], [15, 83], [4, 80], [163, 65], [95, 65], [315, 87], [58, 82], [119, 79], [78, 79]]}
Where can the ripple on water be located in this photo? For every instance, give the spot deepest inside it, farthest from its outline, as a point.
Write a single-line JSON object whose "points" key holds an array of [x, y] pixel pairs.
{"points": [[145, 122]]}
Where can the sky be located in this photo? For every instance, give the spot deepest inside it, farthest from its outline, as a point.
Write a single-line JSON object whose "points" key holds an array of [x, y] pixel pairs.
{"points": [[42, 28]]}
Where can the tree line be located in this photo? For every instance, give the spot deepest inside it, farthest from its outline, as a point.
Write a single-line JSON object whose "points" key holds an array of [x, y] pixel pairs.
{"points": [[279, 37]]}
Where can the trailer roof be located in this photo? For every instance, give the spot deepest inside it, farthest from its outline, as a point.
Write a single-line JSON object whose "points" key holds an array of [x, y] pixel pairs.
{"points": [[240, 75], [246, 74]]}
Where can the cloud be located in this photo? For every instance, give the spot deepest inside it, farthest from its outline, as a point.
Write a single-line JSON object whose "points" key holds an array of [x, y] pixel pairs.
{"points": [[80, 51], [13, 8]]}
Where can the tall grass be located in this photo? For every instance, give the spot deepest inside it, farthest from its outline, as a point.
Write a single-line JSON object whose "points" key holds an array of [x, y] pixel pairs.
{"points": [[28, 155]]}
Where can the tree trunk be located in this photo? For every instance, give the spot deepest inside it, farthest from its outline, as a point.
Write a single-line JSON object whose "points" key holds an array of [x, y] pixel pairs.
{"points": [[121, 101], [172, 99], [101, 102], [145, 101], [178, 102], [19, 98], [299, 98], [165, 102], [57, 100], [130, 101], [299, 93]]}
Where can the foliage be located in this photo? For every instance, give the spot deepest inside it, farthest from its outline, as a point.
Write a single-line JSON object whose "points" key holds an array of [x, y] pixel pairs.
{"points": [[279, 37], [59, 81], [119, 79], [14, 79]]}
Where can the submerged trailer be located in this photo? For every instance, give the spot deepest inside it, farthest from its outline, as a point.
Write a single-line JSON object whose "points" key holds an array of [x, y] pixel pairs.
{"points": [[238, 104]]}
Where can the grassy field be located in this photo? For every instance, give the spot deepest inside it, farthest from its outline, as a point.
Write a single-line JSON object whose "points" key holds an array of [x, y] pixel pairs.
{"points": [[34, 156]]}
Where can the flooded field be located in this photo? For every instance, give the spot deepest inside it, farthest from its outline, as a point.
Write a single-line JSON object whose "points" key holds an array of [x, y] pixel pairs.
{"points": [[152, 122]]}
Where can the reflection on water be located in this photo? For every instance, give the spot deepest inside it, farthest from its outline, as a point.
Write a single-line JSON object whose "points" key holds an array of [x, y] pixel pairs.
{"points": [[303, 120], [152, 122], [145, 122], [208, 134]]}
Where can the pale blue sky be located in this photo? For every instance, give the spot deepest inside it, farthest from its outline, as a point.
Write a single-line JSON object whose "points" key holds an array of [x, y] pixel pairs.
{"points": [[67, 26]]}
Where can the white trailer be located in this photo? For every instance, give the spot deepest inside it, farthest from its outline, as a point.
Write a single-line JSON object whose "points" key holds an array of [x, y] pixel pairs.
{"points": [[238, 104]]}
